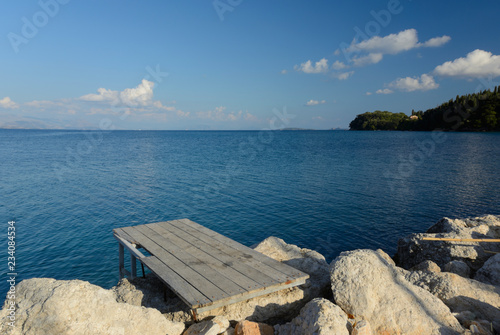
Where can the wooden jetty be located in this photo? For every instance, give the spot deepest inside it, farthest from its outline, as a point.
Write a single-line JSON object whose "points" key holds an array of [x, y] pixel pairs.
{"points": [[204, 269]]}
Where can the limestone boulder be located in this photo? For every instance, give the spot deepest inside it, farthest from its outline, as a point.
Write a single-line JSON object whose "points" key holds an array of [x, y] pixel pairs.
{"points": [[281, 305], [412, 250], [489, 273], [362, 327], [319, 316], [462, 295], [429, 266], [370, 288], [49, 306], [217, 325], [305, 260], [152, 293], [458, 267]]}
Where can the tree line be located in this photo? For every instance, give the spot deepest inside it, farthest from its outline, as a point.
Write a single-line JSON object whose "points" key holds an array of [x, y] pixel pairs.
{"points": [[472, 112]]}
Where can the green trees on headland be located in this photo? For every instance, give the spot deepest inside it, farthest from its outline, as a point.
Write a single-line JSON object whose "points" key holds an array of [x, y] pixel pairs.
{"points": [[477, 111], [378, 120]]}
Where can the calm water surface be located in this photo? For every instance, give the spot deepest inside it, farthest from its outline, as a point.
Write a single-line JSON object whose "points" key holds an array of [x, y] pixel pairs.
{"points": [[326, 190]]}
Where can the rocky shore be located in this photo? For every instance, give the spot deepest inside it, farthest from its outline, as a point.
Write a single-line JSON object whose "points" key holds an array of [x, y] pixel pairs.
{"points": [[428, 287]]}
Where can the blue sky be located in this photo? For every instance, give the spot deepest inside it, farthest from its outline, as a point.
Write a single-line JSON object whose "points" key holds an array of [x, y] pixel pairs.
{"points": [[238, 64]]}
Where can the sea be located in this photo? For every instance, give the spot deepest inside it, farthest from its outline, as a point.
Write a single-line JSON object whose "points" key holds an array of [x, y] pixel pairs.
{"points": [[64, 192]]}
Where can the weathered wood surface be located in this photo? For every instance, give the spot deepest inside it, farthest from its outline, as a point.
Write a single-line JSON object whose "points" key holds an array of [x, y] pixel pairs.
{"points": [[204, 268]]}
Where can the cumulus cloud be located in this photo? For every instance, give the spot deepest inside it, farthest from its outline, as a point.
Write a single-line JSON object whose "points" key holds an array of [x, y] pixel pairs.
{"points": [[476, 64], [7, 103], [343, 75], [220, 114], [376, 47], [436, 41], [390, 44], [307, 67], [369, 93], [409, 84], [315, 102], [142, 95], [284, 72], [372, 58], [384, 91], [337, 65]]}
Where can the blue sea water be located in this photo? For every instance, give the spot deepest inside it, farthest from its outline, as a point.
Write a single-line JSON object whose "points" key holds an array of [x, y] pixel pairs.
{"points": [[325, 190]]}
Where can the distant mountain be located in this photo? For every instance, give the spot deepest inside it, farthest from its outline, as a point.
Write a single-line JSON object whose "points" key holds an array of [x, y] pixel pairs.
{"points": [[9, 121]]}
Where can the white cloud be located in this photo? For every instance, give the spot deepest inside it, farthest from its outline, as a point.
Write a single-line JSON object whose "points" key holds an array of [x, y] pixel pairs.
{"points": [[343, 75], [476, 64], [315, 102], [390, 44], [369, 93], [371, 58], [284, 72], [337, 65], [384, 91], [319, 67], [436, 41], [8, 103], [319, 118], [373, 49], [409, 84], [219, 114], [142, 95], [250, 117]]}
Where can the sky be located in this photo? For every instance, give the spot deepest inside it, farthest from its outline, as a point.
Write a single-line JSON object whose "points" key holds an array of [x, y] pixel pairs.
{"points": [[238, 64]]}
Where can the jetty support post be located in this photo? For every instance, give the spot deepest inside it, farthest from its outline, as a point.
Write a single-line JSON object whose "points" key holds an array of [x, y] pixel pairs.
{"points": [[122, 260], [133, 266]]}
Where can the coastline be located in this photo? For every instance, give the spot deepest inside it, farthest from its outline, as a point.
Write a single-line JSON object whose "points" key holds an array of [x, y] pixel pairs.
{"points": [[429, 287]]}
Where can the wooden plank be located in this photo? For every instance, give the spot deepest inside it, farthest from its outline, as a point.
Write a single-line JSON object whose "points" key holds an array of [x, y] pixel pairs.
{"points": [[170, 244], [226, 269], [123, 234], [235, 251], [250, 267], [185, 291], [196, 280], [130, 247], [205, 269], [246, 251]]}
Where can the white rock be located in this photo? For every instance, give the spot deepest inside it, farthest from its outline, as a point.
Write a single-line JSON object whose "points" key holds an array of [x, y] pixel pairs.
{"points": [[362, 327], [319, 316], [306, 260], [461, 294], [367, 286], [426, 266], [490, 272], [215, 326], [412, 250], [49, 306], [458, 267]]}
